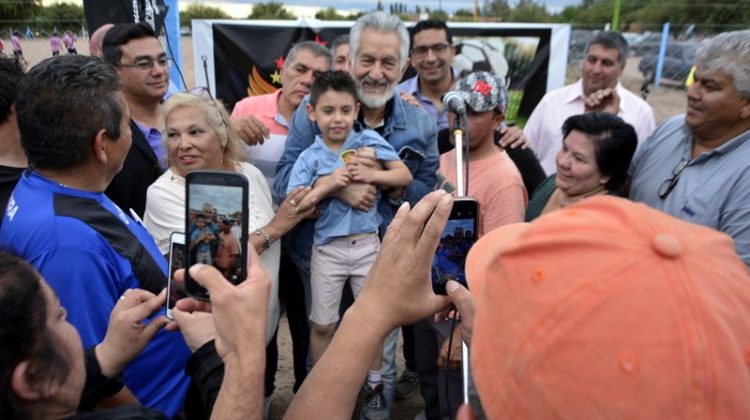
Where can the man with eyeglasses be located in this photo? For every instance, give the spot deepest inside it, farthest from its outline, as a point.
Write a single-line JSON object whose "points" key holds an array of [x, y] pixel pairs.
{"points": [[696, 166], [143, 67], [263, 121], [431, 55]]}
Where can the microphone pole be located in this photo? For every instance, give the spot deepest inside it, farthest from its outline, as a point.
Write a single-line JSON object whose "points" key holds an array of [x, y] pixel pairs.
{"points": [[458, 140], [454, 102]]}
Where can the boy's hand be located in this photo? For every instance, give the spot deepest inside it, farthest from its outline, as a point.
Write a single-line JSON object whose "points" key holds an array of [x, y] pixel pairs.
{"points": [[339, 178], [362, 173]]}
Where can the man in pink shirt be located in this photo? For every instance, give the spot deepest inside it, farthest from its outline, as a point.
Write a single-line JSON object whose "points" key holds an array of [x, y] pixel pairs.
{"points": [[70, 42], [16, 44], [54, 43], [262, 121], [600, 69]]}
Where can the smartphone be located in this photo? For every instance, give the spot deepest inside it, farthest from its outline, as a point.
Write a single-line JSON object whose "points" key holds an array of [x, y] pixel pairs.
{"points": [[459, 235], [176, 258], [216, 213]]}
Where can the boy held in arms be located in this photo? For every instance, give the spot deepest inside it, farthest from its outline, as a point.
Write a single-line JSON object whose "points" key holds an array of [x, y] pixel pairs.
{"points": [[346, 240]]}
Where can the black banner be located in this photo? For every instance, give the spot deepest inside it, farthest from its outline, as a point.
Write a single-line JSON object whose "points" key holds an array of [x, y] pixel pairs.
{"points": [[248, 58]]}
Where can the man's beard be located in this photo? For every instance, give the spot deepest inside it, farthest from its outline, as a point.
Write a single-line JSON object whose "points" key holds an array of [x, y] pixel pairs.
{"points": [[372, 100]]}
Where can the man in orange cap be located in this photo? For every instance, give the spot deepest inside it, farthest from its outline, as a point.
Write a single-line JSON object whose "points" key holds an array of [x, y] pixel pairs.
{"points": [[605, 309]]}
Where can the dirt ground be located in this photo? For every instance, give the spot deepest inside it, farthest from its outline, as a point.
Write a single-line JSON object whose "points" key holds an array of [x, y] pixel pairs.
{"points": [[666, 101]]}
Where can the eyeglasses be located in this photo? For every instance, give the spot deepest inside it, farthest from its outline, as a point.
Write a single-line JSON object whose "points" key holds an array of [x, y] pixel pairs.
{"points": [[668, 185], [204, 92], [437, 49], [146, 64]]}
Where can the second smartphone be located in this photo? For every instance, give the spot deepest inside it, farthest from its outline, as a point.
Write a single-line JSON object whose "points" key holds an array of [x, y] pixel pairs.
{"points": [[216, 216], [459, 235]]}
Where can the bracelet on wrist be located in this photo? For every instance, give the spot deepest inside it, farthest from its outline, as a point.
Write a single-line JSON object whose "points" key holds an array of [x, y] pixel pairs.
{"points": [[266, 239]]}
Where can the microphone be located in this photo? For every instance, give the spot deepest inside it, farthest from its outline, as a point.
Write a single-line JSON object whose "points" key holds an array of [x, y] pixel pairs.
{"points": [[453, 101]]}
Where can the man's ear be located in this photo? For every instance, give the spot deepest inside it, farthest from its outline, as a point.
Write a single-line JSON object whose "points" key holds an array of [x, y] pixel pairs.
{"points": [[100, 144], [745, 110], [310, 112], [21, 386], [499, 118], [356, 109]]}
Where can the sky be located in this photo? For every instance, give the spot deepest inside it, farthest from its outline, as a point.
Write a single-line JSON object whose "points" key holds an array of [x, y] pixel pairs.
{"points": [[241, 8]]}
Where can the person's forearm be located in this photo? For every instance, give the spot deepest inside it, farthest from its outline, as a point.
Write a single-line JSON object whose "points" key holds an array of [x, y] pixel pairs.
{"points": [[241, 393], [395, 178], [342, 369]]}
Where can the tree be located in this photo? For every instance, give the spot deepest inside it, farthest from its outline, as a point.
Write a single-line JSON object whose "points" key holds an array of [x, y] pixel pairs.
{"points": [[496, 8], [709, 16], [19, 9], [330, 13], [271, 10], [530, 11], [439, 15], [62, 16], [463, 15], [200, 11]]}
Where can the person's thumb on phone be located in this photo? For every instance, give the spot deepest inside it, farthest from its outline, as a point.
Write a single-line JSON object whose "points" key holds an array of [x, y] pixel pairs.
{"points": [[461, 297]]}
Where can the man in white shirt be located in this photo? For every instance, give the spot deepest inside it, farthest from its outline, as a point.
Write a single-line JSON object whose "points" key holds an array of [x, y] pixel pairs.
{"points": [[605, 60]]}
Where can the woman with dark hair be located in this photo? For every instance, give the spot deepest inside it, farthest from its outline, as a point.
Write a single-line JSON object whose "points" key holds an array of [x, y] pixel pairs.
{"points": [[594, 160], [45, 373]]}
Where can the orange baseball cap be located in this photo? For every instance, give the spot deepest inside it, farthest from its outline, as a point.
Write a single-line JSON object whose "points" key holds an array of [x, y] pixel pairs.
{"points": [[610, 309]]}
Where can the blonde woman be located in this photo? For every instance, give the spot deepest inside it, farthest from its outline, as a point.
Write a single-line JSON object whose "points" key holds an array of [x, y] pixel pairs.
{"points": [[199, 138]]}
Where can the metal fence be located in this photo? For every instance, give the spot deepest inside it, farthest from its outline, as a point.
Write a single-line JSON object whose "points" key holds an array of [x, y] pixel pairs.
{"points": [[657, 58]]}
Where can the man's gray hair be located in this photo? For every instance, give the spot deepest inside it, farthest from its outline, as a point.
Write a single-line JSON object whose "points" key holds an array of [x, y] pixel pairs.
{"points": [[313, 48], [380, 22], [730, 53]]}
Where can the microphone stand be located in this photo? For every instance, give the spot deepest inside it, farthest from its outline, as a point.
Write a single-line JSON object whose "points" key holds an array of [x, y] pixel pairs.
{"points": [[459, 148]]}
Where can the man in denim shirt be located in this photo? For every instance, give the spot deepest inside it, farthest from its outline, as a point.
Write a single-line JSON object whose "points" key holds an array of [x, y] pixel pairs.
{"points": [[696, 166], [379, 51]]}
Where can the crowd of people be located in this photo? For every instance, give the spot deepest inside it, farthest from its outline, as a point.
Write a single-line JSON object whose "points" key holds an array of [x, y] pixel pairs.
{"points": [[609, 278]]}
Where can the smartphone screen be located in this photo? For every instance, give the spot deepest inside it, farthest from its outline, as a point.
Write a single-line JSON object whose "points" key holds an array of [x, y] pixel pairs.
{"points": [[216, 225], [176, 258], [459, 235]]}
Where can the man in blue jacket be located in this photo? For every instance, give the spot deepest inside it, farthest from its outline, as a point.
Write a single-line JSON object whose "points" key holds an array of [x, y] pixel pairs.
{"points": [[379, 56], [74, 125]]}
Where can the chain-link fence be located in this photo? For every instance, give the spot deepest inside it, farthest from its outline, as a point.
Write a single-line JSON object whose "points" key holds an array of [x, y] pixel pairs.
{"points": [[657, 73]]}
